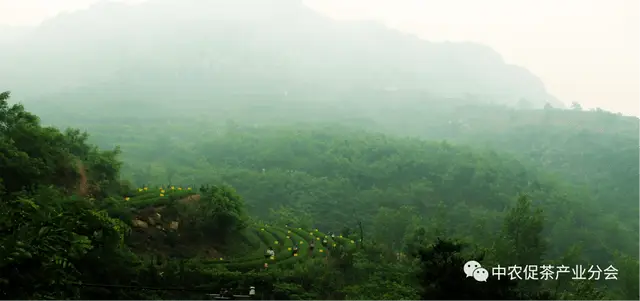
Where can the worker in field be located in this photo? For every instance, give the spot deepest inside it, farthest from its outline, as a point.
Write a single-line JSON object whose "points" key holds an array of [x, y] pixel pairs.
{"points": [[269, 253], [224, 292], [294, 250], [325, 242], [312, 245]]}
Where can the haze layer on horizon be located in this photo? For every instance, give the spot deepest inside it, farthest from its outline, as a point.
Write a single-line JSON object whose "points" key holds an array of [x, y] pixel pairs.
{"points": [[584, 50]]}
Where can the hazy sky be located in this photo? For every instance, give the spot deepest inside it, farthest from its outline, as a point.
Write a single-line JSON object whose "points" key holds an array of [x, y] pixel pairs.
{"points": [[584, 50]]}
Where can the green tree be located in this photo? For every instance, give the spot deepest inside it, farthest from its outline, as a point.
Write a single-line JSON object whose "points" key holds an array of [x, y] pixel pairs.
{"points": [[392, 225], [216, 215], [522, 242], [583, 290], [32, 156], [441, 276], [50, 234]]}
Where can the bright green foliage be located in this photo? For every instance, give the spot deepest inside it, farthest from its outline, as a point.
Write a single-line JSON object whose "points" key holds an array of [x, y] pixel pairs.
{"points": [[49, 236], [218, 214], [348, 176], [406, 213], [522, 238]]}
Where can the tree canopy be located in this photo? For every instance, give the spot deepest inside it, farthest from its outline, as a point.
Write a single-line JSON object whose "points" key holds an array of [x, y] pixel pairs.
{"points": [[391, 217]]}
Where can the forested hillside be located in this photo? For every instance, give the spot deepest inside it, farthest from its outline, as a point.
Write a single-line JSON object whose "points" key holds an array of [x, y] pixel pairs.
{"points": [[258, 146], [391, 217], [596, 151], [368, 171]]}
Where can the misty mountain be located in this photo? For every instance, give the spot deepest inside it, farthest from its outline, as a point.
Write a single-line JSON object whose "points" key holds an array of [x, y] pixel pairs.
{"points": [[201, 50]]}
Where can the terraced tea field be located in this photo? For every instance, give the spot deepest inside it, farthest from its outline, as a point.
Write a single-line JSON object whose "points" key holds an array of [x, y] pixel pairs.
{"points": [[260, 237]]}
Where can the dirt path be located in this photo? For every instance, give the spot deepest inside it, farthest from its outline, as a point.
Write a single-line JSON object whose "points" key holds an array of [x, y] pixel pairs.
{"points": [[190, 199]]}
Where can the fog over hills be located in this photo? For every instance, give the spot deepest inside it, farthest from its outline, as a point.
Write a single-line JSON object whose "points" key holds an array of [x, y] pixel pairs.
{"points": [[231, 47], [13, 34], [175, 149]]}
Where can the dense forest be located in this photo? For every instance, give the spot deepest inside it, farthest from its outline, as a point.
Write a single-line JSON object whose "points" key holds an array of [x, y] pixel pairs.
{"points": [[177, 208]]}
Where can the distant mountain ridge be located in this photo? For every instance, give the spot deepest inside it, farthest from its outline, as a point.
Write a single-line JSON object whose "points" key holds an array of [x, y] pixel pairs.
{"points": [[274, 47]]}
